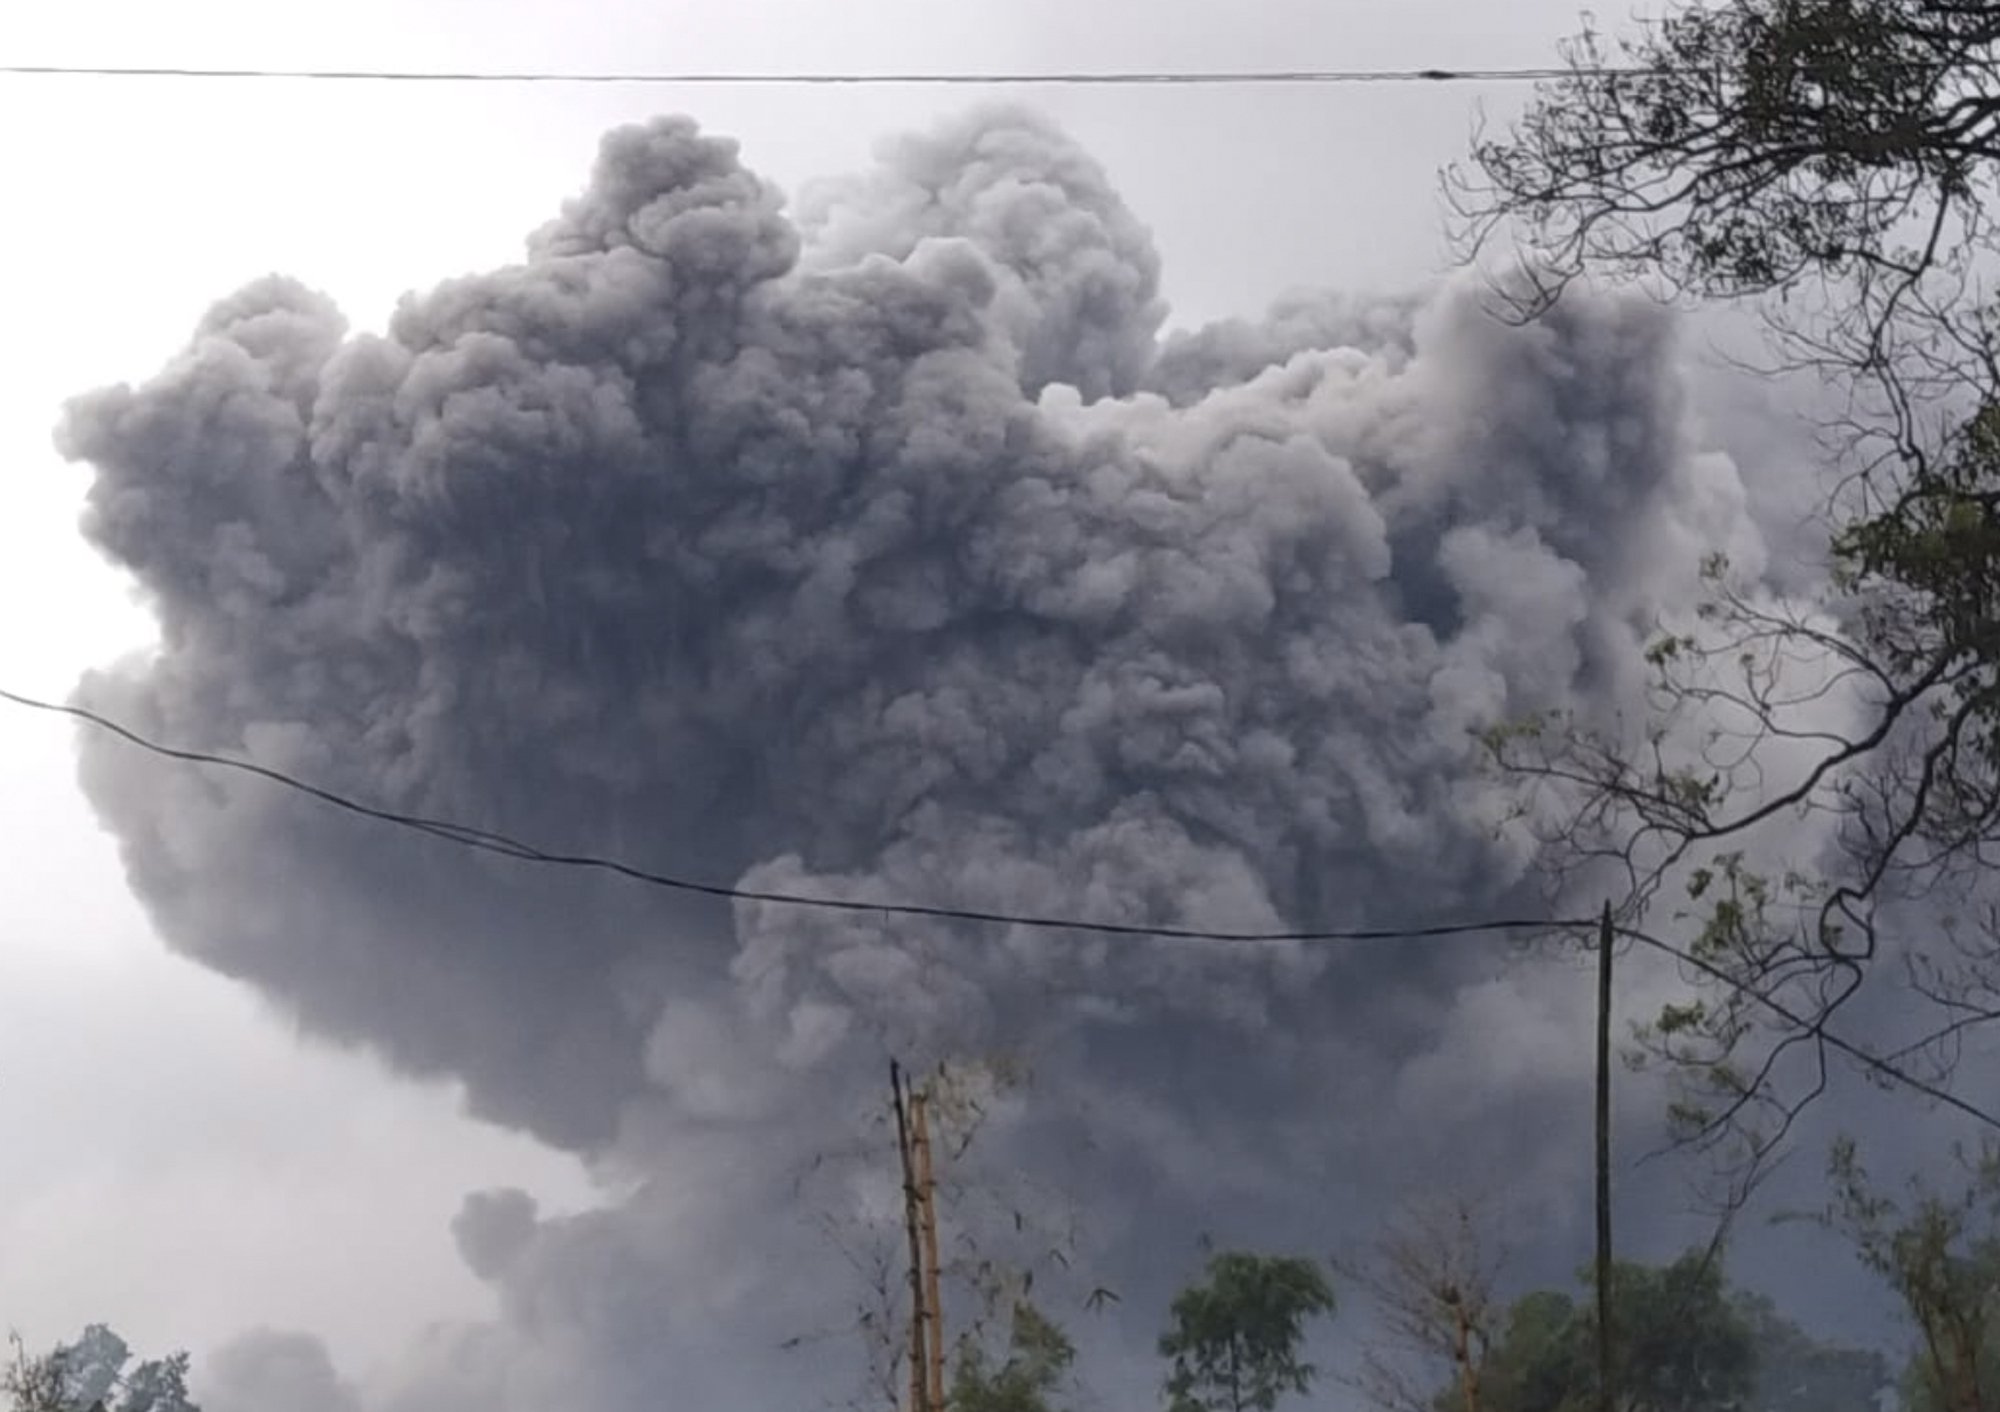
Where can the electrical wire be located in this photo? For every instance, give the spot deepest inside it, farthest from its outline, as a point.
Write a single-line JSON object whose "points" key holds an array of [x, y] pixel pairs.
{"points": [[1073, 78], [1804, 1027], [505, 845], [508, 846]]}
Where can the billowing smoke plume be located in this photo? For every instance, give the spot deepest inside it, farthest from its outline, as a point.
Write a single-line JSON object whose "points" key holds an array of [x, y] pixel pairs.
{"points": [[265, 1369], [887, 550]]}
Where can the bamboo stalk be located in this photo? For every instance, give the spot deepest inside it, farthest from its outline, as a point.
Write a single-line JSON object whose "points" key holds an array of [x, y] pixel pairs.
{"points": [[920, 1127], [920, 1384]]}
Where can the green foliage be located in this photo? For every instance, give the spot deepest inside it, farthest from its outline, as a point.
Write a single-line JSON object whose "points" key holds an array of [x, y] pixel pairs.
{"points": [[1682, 1346], [1936, 547], [1836, 161], [1941, 1255], [1541, 1363], [1234, 1340], [1797, 1373], [1675, 1019], [95, 1374], [1497, 739], [1748, 146], [1039, 1356], [34, 1384], [1664, 650]]}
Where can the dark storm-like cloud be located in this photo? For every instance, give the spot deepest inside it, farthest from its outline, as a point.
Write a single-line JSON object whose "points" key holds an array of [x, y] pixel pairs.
{"points": [[883, 550]]}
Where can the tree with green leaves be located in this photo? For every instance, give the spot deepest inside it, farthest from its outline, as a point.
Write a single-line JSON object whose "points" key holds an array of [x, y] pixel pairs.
{"points": [[1940, 1252], [1009, 1229], [1235, 1339], [1542, 1361], [1028, 1379], [1686, 1343], [34, 1384], [95, 1374], [1840, 152], [1798, 1373], [1683, 1345], [1832, 163]]}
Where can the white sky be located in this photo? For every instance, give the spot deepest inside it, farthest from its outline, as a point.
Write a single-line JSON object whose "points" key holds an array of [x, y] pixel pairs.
{"points": [[175, 1161]]}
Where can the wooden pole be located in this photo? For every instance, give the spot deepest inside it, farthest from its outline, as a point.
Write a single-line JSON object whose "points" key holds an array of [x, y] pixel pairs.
{"points": [[912, 1224], [1606, 1400], [920, 1134], [1468, 1376]]}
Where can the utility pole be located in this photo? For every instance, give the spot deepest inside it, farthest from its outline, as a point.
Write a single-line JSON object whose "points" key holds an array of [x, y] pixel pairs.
{"points": [[920, 1381], [920, 1138], [1461, 1347], [1606, 1399]]}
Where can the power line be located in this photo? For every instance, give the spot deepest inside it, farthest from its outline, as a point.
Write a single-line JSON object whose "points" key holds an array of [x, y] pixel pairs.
{"points": [[507, 846], [1073, 78], [1866, 1058]]}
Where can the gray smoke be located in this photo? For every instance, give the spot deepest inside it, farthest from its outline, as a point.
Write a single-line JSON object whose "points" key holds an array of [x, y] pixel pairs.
{"points": [[884, 551], [266, 1370]]}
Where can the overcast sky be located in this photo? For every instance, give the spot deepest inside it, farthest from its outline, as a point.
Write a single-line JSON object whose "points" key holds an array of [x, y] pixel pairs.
{"points": [[181, 1163]]}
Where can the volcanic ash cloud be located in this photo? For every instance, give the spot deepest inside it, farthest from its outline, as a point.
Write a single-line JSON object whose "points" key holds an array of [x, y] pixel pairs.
{"points": [[883, 547]]}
